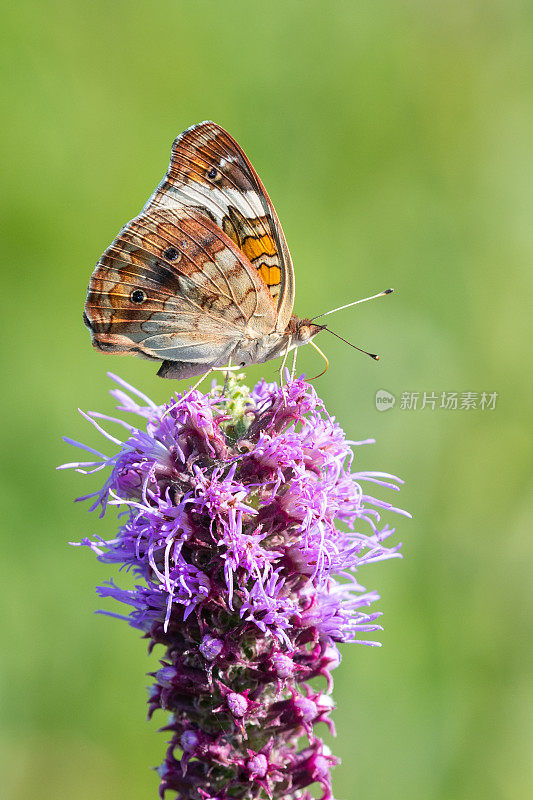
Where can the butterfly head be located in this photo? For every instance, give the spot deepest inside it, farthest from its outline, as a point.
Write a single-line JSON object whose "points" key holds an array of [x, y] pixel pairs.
{"points": [[302, 330]]}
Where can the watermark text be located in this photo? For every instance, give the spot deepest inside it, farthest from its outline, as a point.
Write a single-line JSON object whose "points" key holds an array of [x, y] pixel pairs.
{"points": [[437, 401]]}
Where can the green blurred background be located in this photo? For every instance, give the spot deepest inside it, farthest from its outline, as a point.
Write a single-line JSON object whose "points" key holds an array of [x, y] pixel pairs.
{"points": [[396, 139]]}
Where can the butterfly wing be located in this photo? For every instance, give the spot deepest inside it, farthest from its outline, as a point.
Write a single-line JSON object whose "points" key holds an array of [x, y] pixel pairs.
{"points": [[208, 170], [174, 287]]}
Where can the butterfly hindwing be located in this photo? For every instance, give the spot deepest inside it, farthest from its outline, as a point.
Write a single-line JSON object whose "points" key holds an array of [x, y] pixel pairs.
{"points": [[199, 294]]}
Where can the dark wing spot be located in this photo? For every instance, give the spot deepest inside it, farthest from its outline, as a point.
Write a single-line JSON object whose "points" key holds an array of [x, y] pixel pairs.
{"points": [[137, 296], [171, 254]]}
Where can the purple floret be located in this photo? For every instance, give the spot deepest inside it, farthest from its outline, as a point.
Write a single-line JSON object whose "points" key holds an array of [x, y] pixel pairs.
{"points": [[245, 527]]}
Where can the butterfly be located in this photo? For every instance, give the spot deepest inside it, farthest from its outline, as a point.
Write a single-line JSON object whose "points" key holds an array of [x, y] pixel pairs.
{"points": [[202, 277]]}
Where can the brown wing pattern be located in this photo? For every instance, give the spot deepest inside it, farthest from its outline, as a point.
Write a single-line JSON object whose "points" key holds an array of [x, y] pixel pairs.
{"points": [[209, 170], [176, 287]]}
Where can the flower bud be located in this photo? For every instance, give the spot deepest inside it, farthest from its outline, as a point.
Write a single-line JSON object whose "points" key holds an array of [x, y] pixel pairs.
{"points": [[237, 704], [210, 647]]}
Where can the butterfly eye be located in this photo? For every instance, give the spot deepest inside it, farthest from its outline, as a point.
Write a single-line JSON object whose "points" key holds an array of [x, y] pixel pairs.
{"points": [[137, 296], [171, 254], [213, 173]]}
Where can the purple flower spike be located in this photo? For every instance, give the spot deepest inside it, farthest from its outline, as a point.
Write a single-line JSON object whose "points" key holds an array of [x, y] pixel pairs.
{"points": [[245, 527]]}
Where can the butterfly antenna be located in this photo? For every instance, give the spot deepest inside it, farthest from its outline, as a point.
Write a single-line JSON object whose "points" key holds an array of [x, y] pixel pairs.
{"points": [[372, 355], [323, 356], [349, 305]]}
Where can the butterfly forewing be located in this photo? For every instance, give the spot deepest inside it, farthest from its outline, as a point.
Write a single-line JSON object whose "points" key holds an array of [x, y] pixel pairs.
{"points": [[210, 171]]}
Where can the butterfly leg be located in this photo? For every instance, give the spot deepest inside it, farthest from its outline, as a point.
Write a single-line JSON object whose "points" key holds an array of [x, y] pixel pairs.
{"points": [[293, 368], [281, 371], [198, 382], [282, 368]]}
